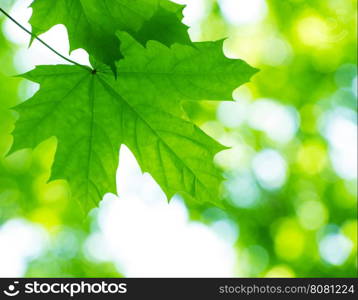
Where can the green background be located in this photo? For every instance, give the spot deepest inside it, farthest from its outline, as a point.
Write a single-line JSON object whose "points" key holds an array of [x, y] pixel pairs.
{"points": [[306, 53]]}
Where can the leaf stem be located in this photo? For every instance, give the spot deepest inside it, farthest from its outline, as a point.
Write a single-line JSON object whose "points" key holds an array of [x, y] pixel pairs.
{"points": [[42, 42]]}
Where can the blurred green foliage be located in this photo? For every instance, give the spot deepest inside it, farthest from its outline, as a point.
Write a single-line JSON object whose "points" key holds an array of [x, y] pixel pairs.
{"points": [[280, 228], [306, 53]]}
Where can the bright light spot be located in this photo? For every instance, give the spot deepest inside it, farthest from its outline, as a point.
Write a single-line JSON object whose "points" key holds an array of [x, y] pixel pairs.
{"points": [[344, 165], [21, 12], [340, 129], [349, 229], [27, 58], [20, 241], [227, 230], [312, 157], [276, 51], [253, 260], [235, 157], [233, 114], [280, 271], [242, 12], [45, 216], [335, 248], [313, 31], [214, 129], [312, 214], [194, 11], [147, 237], [27, 89], [159, 241], [279, 122], [95, 247], [66, 244], [243, 190], [289, 240], [270, 169]]}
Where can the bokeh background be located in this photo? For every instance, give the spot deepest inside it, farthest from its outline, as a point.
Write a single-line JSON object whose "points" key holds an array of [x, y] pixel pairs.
{"points": [[291, 172]]}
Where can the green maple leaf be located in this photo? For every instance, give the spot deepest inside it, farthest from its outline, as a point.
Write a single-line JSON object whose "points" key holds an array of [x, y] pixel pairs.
{"points": [[92, 24], [91, 113]]}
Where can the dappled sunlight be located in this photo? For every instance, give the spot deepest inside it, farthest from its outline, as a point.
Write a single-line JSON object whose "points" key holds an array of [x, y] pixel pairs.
{"points": [[270, 169], [335, 248], [340, 129], [21, 242], [289, 189], [242, 12], [27, 58], [145, 236]]}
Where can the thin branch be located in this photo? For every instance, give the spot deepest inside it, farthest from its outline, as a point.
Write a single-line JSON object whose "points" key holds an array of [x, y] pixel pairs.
{"points": [[42, 42]]}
